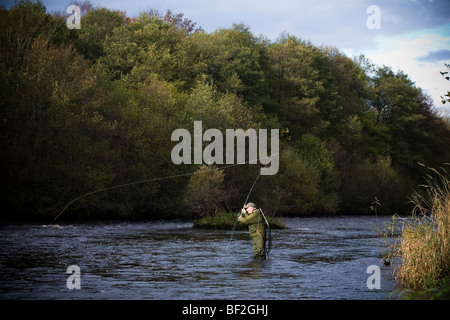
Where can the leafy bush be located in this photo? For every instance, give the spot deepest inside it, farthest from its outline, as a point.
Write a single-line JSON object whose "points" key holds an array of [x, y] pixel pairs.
{"points": [[205, 194]]}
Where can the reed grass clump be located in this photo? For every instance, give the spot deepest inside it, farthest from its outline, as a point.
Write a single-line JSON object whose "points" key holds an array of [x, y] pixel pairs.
{"points": [[424, 246]]}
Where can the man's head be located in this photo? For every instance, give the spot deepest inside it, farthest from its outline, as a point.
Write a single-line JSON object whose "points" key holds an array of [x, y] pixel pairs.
{"points": [[250, 207]]}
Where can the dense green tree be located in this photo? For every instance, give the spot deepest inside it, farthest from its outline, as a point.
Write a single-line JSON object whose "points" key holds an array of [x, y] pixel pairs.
{"points": [[54, 137], [348, 90], [233, 58], [94, 108], [97, 25], [295, 86], [372, 181], [295, 188], [151, 45], [314, 151], [411, 120]]}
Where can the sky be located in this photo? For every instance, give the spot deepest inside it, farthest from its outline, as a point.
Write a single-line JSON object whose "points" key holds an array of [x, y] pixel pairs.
{"points": [[412, 36]]}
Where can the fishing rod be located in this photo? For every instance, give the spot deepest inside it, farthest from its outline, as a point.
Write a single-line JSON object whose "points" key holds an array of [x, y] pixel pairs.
{"points": [[154, 180], [237, 216]]}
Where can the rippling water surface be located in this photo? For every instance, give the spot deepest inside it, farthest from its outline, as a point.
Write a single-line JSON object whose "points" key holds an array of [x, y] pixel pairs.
{"points": [[315, 258]]}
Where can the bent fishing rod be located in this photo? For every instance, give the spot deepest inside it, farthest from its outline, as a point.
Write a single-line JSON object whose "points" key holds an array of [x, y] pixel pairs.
{"points": [[245, 202]]}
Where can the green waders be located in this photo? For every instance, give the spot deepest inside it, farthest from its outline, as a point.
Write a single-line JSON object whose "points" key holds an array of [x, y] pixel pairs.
{"points": [[257, 229]]}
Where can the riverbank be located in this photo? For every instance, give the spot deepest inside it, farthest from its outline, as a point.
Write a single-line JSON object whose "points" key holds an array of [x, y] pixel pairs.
{"points": [[227, 220]]}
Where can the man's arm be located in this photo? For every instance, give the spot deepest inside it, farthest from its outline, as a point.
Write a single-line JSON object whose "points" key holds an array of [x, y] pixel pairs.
{"points": [[251, 218]]}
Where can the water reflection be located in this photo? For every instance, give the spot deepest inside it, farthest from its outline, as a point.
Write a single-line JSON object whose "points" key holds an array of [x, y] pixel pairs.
{"points": [[253, 269]]}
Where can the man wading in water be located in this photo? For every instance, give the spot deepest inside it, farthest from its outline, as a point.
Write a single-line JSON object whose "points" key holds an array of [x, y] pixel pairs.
{"points": [[253, 218]]}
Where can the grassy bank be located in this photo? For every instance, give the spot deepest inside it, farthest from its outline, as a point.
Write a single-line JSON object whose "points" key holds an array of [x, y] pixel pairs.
{"points": [[226, 221], [424, 244]]}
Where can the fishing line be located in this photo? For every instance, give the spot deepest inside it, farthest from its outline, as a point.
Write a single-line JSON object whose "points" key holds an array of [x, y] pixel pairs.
{"points": [[153, 180]]}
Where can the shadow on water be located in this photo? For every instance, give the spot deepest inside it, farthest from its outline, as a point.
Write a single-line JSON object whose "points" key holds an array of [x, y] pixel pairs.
{"points": [[315, 258]]}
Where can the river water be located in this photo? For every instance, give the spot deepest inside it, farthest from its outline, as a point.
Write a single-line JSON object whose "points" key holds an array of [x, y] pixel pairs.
{"points": [[315, 258]]}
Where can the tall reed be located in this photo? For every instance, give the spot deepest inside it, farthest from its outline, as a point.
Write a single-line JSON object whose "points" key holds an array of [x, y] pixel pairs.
{"points": [[424, 246]]}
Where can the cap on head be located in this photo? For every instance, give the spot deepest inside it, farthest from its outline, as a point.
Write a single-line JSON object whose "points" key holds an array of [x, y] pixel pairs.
{"points": [[250, 204]]}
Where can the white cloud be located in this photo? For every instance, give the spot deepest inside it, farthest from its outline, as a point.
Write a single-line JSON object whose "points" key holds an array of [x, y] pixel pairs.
{"points": [[403, 53]]}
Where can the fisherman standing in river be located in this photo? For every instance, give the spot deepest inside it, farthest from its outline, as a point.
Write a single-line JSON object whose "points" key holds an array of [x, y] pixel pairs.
{"points": [[256, 223]]}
